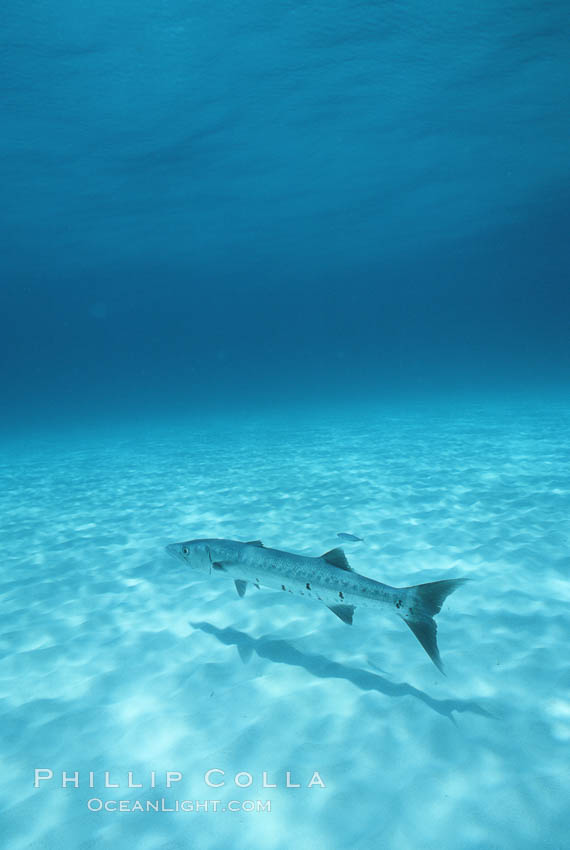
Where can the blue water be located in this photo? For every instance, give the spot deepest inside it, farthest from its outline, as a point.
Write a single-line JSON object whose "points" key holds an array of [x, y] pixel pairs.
{"points": [[281, 271]]}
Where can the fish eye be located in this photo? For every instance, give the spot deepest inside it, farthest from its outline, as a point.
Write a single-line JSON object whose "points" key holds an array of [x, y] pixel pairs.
{"points": [[185, 550]]}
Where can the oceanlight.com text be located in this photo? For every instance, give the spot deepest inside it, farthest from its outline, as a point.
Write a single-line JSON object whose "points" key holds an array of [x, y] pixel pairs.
{"points": [[95, 804]]}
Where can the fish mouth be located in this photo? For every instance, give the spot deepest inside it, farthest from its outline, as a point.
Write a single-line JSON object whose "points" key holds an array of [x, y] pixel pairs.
{"points": [[172, 549]]}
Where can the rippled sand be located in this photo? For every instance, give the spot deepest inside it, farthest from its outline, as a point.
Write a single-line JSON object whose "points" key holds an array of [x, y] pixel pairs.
{"points": [[115, 659]]}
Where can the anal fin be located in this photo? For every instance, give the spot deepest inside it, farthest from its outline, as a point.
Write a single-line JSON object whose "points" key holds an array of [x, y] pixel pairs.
{"points": [[344, 612]]}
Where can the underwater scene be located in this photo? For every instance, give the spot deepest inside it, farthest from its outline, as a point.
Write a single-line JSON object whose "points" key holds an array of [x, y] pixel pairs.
{"points": [[285, 425]]}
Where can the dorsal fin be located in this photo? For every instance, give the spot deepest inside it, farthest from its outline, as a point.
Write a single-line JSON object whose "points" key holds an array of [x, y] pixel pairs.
{"points": [[254, 543], [337, 558]]}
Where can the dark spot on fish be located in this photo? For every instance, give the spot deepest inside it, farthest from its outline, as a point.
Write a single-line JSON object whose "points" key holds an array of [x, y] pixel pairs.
{"points": [[283, 587], [340, 594], [308, 586], [399, 603]]}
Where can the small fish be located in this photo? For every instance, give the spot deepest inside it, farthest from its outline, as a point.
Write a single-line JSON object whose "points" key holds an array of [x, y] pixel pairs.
{"points": [[344, 535], [328, 579]]}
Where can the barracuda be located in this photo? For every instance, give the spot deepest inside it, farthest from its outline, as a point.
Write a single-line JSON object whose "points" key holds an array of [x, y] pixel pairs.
{"points": [[329, 579]]}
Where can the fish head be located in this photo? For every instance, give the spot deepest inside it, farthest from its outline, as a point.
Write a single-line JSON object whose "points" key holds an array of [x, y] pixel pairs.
{"points": [[193, 553]]}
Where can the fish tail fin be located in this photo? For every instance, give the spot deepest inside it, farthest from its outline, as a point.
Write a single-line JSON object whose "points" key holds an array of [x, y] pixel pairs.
{"points": [[423, 603]]}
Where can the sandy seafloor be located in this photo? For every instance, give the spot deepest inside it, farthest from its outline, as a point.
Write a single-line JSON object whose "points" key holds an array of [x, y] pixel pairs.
{"points": [[114, 658]]}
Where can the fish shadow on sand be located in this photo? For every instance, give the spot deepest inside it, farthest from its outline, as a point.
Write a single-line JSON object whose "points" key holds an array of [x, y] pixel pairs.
{"points": [[282, 652]]}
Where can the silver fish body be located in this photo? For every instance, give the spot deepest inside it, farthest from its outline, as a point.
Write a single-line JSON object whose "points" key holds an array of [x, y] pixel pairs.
{"points": [[328, 579]]}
